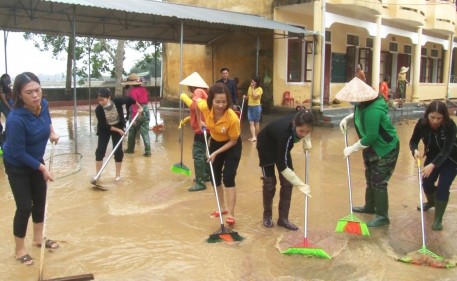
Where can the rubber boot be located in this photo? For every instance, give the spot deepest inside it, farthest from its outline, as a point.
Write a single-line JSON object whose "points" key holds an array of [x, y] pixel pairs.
{"points": [[131, 141], [430, 202], [382, 208], [144, 132], [199, 166], [285, 195], [369, 203], [440, 207], [268, 190]]}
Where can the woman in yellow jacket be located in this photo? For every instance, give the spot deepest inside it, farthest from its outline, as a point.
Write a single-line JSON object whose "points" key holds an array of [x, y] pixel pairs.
{"points": [[225, 144]]}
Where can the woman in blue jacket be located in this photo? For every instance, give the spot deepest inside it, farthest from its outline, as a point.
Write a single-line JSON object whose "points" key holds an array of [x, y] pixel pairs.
{"points": [[28, 129]]}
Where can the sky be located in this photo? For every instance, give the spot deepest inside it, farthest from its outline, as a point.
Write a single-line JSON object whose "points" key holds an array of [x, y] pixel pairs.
{"points": [[23, 56]]}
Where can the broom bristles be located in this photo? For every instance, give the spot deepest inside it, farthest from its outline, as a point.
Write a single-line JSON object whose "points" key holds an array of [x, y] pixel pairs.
{"points": [[351, 224], [316, 252], [224, 237], [180, 168], [307, 249], [424, 256]]}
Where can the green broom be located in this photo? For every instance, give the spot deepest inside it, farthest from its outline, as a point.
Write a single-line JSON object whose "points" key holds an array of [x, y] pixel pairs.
{"points": [[351, 224], [306, 248], [180, 168], [423, 256], [224, 233]]}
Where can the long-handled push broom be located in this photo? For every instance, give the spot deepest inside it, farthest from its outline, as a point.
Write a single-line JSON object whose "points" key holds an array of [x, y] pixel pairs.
{"points": [[223, 233], [180, 168], [351, 224], [306, 248], [423, 256], [82, 277]]}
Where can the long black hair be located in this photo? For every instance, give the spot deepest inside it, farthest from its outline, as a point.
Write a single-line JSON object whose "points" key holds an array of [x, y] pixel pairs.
{"points": [[438, 107], [19, 82], [303, 117]]}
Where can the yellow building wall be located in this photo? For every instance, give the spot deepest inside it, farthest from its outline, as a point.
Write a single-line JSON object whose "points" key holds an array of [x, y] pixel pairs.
{"points": [[236, 51]]}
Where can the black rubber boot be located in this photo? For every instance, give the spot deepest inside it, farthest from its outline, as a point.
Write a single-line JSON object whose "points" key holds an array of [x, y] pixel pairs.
{"points": [[382, 208], [285, 195], [430, 202], [269, 189], [440, 207], [369, 203]]}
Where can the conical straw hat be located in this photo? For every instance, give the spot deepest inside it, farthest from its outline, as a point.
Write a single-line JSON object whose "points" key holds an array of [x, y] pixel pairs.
{"points": [[194, 80], [356, 91], [133, 79]]}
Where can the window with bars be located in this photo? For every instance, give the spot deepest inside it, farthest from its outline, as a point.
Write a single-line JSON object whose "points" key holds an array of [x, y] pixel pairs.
{"points": [[352, 40], [299, 60], [393, 47]]}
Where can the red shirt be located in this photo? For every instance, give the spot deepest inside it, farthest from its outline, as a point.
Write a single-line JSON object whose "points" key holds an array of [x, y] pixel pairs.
{"points": [[384, 90], [140, 95]]}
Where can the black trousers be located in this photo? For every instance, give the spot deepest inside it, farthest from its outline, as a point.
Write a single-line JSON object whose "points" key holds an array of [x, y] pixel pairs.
{"points": [[103, 140], [29, 190], [226, 163]]}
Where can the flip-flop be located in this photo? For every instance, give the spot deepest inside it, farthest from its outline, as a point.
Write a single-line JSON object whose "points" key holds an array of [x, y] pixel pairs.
{"points": [[215, 214], [26, 259], [49, 244], [230, 221]]}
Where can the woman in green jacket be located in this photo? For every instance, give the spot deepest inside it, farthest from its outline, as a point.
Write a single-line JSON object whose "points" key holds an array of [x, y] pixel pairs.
{"points": [[380, 144]]}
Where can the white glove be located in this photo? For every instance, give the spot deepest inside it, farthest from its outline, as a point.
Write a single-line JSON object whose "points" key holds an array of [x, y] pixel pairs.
{"points": [[304, 189], [296, 181], [307, 142], [353, 148], [417, 154], [344, 122]]}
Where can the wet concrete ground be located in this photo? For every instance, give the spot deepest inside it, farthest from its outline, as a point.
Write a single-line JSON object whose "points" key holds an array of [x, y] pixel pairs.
{"points": [[149, 227]]}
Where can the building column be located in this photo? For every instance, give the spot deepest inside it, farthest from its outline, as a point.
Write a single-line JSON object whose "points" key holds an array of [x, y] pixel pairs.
{"points": [[416, 66], [376, 60], [447, 64], [318, 24]]}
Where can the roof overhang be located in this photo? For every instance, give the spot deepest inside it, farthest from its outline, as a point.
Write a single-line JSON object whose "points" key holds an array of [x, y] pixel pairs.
{"points": [[145, 20]]}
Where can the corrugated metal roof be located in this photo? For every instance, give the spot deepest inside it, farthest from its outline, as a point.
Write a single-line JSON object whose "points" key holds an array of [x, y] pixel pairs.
{"points": [[131, 19]]}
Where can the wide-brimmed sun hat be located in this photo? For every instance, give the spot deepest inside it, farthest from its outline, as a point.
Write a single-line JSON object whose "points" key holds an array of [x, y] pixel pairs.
{"points": [[132, 79], [356, 91], [194, 80], [404, 69]]}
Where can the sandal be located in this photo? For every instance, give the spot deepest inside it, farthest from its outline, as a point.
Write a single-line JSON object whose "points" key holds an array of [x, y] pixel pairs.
{"points": [[215, 214], [49, 244], [26, 259], [230, 221]]}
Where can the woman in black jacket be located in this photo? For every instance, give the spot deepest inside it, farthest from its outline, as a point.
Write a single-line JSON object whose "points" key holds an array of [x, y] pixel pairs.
{"points": [[111, 124], [438, 134], [274, 143]]}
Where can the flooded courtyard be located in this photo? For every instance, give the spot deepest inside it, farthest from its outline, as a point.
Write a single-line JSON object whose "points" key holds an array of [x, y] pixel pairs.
{"points": [[148, 226]]}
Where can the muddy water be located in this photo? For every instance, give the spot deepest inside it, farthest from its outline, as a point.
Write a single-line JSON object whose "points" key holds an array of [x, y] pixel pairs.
{"points": [[149, 227]]}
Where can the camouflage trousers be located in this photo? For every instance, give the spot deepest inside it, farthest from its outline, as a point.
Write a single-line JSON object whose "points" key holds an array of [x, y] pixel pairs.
{"points": [[378, 170], [141, 126]]}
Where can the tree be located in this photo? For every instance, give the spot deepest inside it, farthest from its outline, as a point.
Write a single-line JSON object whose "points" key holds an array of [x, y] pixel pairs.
{"points": [[106, 56]]}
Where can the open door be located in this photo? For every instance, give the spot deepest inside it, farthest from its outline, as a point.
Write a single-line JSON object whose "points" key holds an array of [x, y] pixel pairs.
{"points": [[365, 58], [350, 62]]}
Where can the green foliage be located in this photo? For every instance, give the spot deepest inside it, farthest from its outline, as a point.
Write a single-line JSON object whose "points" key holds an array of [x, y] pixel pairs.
{"points": [[102, 54], [150, 63]]}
